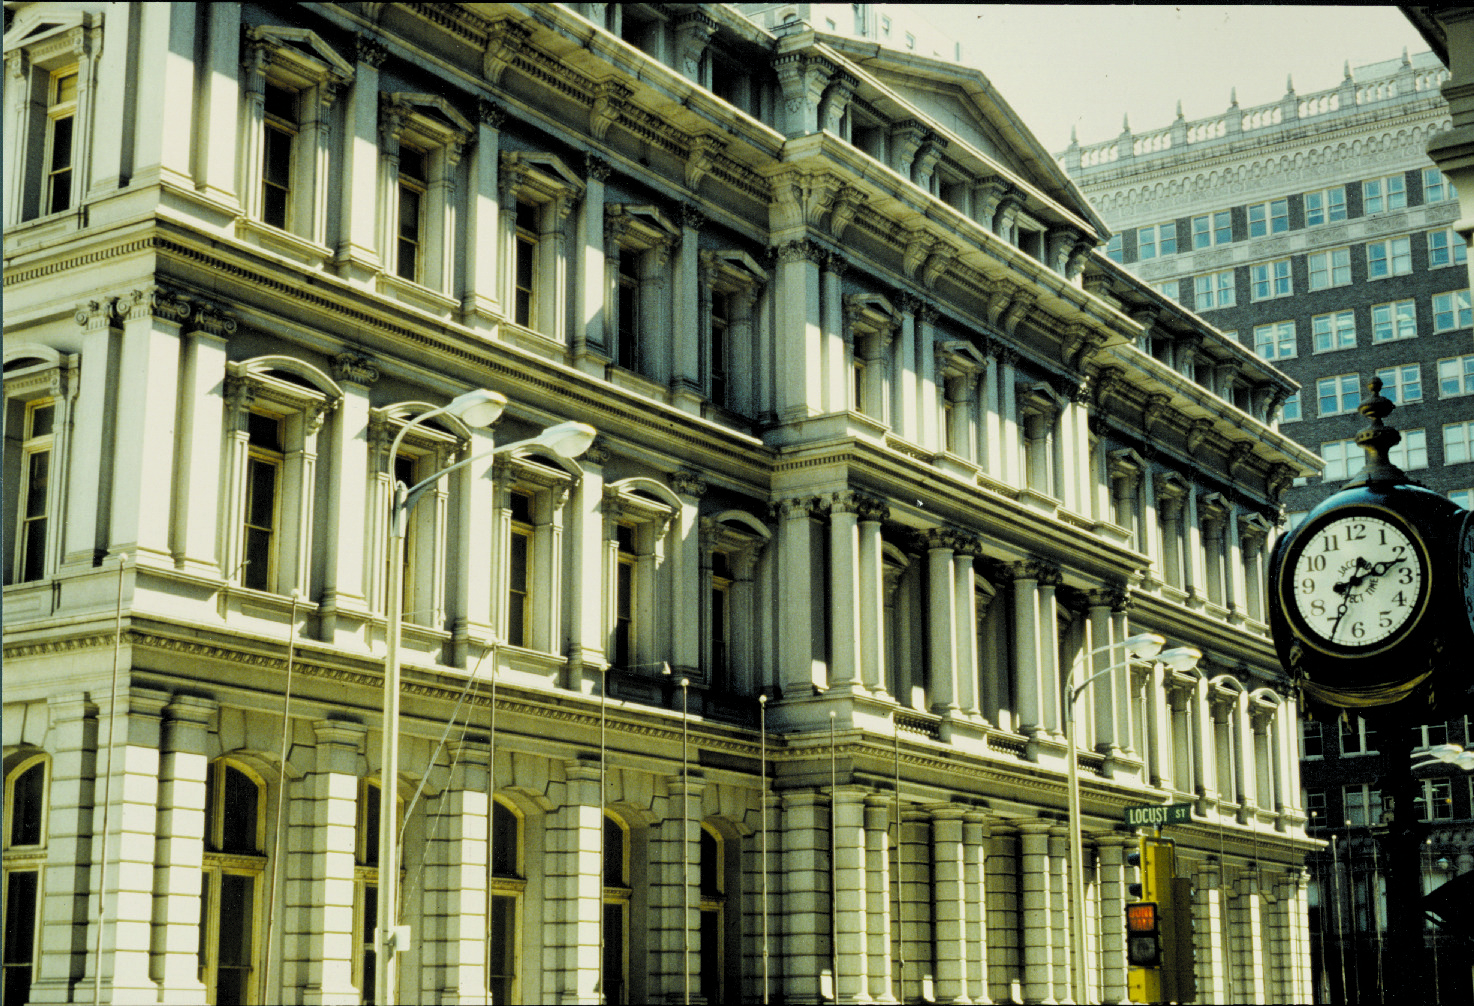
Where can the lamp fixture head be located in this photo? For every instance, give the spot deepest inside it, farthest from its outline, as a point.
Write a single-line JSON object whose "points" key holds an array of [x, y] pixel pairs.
{"points": [[1181, 658], [566, 440], [477, 408], [1145, 645]]}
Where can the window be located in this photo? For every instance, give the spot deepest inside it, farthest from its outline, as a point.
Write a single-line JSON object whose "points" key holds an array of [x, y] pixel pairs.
{"points": [[1411, 452], [1315, 807], [639, 239], [1327, 206], [1437, 188], [1334, 331], [36, 403], [1312, 743], [277, 406], [1451, 310], [1457, 440], [1402, 384], [731, 280], [26, 792], [508, 885], [735, 539], [1290, 411], [1363, 806], [1393, 257], [1270, 279], [1428, 734], [1358, 737], [1213, 290], [1338, 456], [713, 874], [1445, 247], [1398, 320], [1269, 218], [538, 191], [1275, 341], [638, 515], [617, 896], [1167, 288], [1113, 249], [518, 583], [290, 79], [1381, 194], [530, 498], [230, 895], [1338, 394], [412, 185], [1156, 241], [366, 889], [1329, 268], [1456, 376], [422, 136], [1212, 229], [61, 112], [1437, 800]]}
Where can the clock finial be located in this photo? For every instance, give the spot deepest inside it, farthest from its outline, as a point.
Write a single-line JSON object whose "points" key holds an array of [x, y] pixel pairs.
{"points": [[1377, 439]]}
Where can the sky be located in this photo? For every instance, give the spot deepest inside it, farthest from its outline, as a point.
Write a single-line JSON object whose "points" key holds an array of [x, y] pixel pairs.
{"points": [[1063, 66]]}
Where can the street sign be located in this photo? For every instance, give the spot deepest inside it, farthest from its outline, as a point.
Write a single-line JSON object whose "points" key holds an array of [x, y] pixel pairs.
{"points": [[1156, 815]]}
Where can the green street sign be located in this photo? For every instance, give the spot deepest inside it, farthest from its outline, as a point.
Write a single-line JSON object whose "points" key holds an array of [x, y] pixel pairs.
{"points": [[1156, 815]]}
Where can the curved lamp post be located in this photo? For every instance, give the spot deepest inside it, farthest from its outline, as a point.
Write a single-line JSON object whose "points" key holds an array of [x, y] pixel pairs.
{"points": [[477, 408], [1143, 646]]}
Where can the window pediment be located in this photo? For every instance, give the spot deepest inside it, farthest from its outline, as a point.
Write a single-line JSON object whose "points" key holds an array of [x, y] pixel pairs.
{"points": [[538, 176], [732, 271], [50, 34], [298, 57], [640, 227]]}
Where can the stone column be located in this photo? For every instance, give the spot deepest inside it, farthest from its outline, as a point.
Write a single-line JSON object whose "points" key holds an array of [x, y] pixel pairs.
{"points": [[346, 571], [1061, 907], [480, 304], [1113, 899], [127, 889], [1194, 576], [929, 406], [1251, 960], [799, 673], [456, 920], [688, 387], [687, 604], [1050, 703], [575, 887], [844, 608], [942, 619], [1008, 442], [675, 895], [1029, 712], [904, 418], [1036, 905], [836, 365], [975, 893], [89, 472], [799, 333], [804, 933], [195, 534], [179, 854], [851, 896], [321, 843], [870, 575], [1105, 695], [1121, 676], [949, 938], [878, 897], [965, 600], [1211, 951], [473, 587], [586, 566], [358, 256], [1003, 915], [1169, 509]]}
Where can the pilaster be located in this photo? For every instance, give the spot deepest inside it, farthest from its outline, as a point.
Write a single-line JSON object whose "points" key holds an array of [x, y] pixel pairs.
{"points": [[179, 854]]}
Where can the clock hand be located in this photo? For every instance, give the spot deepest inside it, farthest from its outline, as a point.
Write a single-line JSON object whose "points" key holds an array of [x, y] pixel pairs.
{"points": [[1352, 580], [1340, 614]]}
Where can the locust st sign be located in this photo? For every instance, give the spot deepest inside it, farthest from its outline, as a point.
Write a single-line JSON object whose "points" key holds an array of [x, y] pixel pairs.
{"points": [[1158, 815]]}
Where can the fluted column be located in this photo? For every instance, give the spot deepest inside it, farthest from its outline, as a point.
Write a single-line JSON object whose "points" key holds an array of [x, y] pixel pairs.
{"points": [[965, 599], [1028, 712], [844, 606], [870, 513], [798, 671], [942, 619]]}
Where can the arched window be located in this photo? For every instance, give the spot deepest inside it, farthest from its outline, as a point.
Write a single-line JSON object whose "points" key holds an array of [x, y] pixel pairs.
{"points": [[231, 891], [713, 915], [366, 886], [25, 856], [617, 892], [508, 885]]}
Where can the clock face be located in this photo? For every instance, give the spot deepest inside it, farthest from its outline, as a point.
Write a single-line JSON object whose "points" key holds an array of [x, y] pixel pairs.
{"points": [[1358, 582]]}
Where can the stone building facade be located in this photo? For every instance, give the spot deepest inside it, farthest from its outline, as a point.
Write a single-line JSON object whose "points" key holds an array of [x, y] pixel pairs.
{"points": [[1317, 230], [762, 695]]}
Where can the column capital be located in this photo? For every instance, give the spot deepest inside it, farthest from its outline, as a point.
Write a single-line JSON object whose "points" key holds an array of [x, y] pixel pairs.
{"points": [[354, 367], [794, 507], [688, 484]]}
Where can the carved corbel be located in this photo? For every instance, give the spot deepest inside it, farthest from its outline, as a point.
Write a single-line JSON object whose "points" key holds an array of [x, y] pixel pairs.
{"points": [[688, 484], [847, 202], [942, 256], [504, 41], [1018, 308], [610, 97], [1106, 381], [1198, 434], [1241, 455], [369, 51], [1156, 409], [918, 246], [354, 367], [700, 156], [999, 298], [836, 99], [693, 32]]}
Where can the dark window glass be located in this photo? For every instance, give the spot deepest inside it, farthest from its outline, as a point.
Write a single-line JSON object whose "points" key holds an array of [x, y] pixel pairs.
{"points": [[238, 812], [233, 954], [276, 176], [263, 431], [504, 846], [613, 853], [27, 805], [20, 934], [61, 165], [503, 962]]}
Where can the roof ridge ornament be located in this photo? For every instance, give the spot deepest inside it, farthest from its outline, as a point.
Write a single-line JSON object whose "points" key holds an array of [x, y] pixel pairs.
{"points": [[1377, 440]]}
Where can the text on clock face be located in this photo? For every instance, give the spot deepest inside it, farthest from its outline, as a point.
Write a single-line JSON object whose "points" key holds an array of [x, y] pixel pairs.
{"points": [[1357, 581]]}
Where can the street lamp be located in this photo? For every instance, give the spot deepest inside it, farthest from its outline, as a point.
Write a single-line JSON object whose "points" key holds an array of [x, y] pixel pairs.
{"points": [[477, 408], [1143, 646]]}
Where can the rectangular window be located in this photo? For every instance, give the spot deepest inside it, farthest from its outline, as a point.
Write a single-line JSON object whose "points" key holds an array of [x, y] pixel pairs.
{"points": [[1290, 411], [1411, 452], [276, 156], [1456, 376], [36, 448], [1329, 268], [1168, 289], [1338, 455], [1338, 394], [1212, 229], [624, 597], [1445, 248], [519, 606], [1113, 249], [1275, 341], [1363, 805], [1393, 257], [1381, 194], [524, 307], [1270, 279], [1272, 217], [1312, 739], [1156, 241], [1451, 310], [721, 324], [1437, 188], [1437, 800], [1398, 320], [1402, 384], [1213, 290], [263, 477], [1358, 737], [61, 113], [1327, 206], [629, 309], [1457, 440], [1315, 808], [1333, 331], [412, 185]]}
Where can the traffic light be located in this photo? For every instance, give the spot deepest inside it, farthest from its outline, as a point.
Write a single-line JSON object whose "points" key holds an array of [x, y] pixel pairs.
{"points": [[1143, 935], [1159, 928]]}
